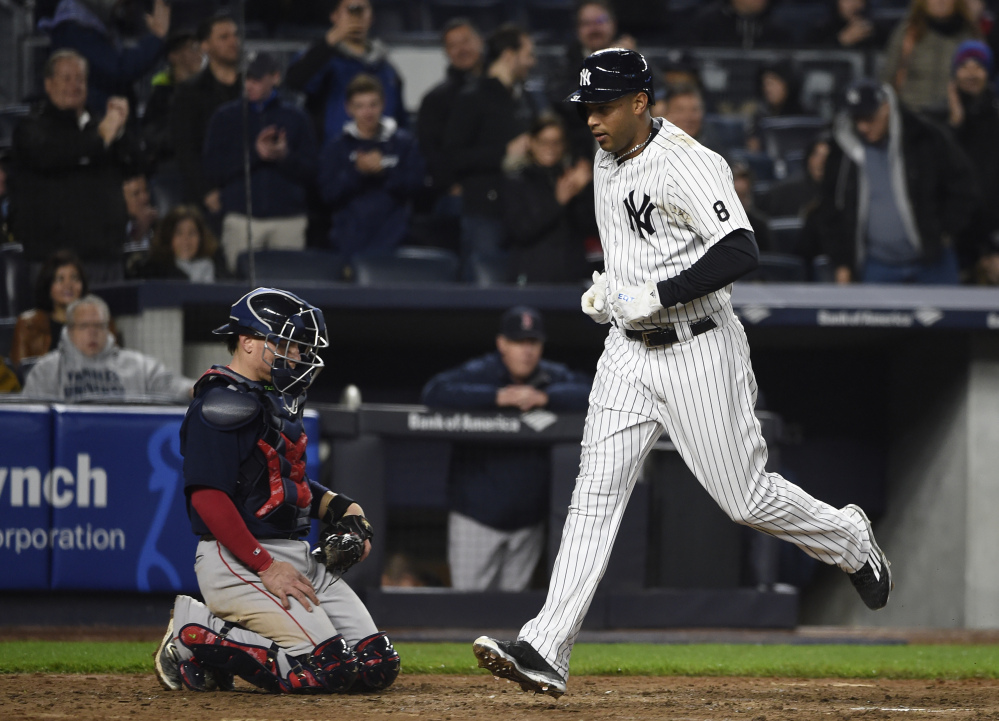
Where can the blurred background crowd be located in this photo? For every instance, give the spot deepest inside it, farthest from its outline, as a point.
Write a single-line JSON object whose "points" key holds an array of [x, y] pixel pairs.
{"points": [[146, 139]]}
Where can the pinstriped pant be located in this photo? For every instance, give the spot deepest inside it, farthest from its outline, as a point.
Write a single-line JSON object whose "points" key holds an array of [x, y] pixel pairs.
{"points": [[702, 392]]}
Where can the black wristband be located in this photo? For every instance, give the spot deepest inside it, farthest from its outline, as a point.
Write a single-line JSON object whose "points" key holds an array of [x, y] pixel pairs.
{"points": [[337, 507]]}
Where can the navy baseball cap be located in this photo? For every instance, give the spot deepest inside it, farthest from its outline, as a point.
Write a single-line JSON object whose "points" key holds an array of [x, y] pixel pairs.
{"points": [[521, 323], [863, 98]]}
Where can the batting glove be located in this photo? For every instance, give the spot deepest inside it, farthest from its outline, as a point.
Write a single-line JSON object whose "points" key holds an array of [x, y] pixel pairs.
{"points": [[594, 301], [637, 302]]}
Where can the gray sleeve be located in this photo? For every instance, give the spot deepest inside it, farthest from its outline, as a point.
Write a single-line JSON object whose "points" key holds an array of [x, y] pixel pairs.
{"points": [[163, 383], [42, 382]]}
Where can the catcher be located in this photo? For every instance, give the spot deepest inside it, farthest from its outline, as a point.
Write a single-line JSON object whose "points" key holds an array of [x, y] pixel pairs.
{"points": [[277, 615]]}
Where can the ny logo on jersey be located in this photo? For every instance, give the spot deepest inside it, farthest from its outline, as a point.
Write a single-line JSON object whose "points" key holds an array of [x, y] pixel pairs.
{"points": [[584, 77], [641, 216]]}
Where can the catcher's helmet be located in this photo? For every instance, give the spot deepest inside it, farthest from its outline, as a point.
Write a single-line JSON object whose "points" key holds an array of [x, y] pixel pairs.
{"points": [[613, 73], [279, 316]]}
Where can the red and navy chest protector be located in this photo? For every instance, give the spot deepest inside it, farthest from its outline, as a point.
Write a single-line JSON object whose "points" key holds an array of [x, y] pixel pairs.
{"points": [[238, 437]]}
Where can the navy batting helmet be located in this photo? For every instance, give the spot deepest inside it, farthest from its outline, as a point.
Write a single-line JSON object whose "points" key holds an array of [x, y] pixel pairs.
{"points": [[281, 317], [611, 74]]}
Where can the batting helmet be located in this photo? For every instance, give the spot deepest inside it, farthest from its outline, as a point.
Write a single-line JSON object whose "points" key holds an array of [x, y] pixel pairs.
{"points": [[611, 74], [281, 317]]}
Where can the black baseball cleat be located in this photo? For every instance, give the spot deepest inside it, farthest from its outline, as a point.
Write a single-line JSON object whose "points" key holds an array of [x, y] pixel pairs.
{"points": [[873, 580], [518, 661]]}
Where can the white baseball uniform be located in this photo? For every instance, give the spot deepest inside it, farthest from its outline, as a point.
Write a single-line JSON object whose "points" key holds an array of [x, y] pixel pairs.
{"points": [[658, 213]]}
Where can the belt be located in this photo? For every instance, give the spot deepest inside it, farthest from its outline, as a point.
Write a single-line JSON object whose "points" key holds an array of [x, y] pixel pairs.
{"points": [[278, 537], [665, 336]]}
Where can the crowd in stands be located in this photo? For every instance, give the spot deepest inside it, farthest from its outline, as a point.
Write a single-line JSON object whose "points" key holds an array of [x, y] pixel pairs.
{"points": [[136, 154]]}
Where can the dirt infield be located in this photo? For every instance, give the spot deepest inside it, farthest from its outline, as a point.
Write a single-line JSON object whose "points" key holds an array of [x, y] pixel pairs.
{"points": [[453, 698]]}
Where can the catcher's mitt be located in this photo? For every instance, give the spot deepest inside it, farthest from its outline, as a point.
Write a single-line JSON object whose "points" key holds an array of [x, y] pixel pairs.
{"points": [[342, 543]]}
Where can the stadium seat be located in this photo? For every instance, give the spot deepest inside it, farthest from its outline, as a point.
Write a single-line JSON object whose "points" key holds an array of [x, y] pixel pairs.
{"points": [[490, 270], [311, 264], [778, 268], [729, 129], [408, 265], [783, 135], [761, 164], [786, 233], [10, 116]]}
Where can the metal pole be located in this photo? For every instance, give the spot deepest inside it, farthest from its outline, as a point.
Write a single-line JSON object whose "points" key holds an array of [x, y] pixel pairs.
{"points": [[243, 62]]}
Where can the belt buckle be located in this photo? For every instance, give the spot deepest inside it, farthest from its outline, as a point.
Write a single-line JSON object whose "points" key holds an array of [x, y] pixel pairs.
{"points": [[647, 337]]}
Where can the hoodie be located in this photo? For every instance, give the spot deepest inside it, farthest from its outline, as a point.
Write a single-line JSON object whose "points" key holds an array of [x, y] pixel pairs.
{"points": [[114, 374]]}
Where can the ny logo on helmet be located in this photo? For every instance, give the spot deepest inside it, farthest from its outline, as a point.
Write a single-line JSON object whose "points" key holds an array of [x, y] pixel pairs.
{"points": [[584, 77]]}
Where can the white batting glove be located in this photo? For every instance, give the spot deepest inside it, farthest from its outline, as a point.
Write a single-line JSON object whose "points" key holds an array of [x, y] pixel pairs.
{"points": [[594, 301], [637, 302]]}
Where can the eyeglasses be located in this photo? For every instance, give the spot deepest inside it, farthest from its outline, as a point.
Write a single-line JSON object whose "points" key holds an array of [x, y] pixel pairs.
{"points": [[356, 9], [88, 326]]}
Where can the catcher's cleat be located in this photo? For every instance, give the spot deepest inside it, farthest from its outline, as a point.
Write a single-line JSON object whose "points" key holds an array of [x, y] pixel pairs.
{"points": [[167, 662], [873, 580], [520, 662], [177, 675]]}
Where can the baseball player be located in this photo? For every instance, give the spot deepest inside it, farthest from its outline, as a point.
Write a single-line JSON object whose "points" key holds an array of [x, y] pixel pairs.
{"points": [[273, 614], [675, 237]]}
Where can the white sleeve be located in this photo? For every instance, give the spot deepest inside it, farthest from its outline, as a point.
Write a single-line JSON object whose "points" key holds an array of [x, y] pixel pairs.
{"points": [[704, 189]]}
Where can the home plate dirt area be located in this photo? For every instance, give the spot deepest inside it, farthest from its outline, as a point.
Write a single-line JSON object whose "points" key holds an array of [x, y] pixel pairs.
{"points": [[431, 698]]}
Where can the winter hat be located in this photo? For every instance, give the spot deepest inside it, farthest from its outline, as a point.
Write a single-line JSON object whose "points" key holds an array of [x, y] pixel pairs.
{"points": [[972, 50]]}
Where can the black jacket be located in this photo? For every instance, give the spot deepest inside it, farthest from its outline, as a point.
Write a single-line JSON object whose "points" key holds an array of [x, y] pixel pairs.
{"points": [[485, 118], [978, 136], [194, 103], [547, 239], [66, 186], [431, 125], [502, 486], [939, 180], [720, 24]]}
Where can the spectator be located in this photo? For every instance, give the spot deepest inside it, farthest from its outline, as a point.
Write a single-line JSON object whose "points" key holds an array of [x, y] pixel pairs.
{"points": [[369, 174], [742, 24], [849, 27], [974, 120], [184, 248], [795, 196], [486, 131], [88, 28], [499, 495], [327, 67], [549, 209], [897, 191], [184, 60], [778, 92], [5, 230], [88, 365], [463, 47], [197, 99], [282, 165], [744, 180], [60, 282], [8, 379], [683, 105], [918, 58], [596, 29], [987, 267], [63, 156], [141, 226]]}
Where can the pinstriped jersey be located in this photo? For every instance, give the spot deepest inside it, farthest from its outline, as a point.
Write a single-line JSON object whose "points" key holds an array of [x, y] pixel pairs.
{"points": [[660, 211]]}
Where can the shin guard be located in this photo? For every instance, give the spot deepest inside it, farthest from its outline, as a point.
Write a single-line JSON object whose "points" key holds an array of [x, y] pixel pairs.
{"points": [[379, 662]]}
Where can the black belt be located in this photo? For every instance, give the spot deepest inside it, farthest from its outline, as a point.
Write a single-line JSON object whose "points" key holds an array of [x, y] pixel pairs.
{"points": [[664, 336]]}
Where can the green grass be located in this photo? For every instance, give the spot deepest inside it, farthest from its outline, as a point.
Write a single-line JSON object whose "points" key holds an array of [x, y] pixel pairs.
{"points": [[632, 659]]}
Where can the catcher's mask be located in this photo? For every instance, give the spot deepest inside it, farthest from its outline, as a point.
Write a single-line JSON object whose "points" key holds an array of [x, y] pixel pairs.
{"points": [[282, 319]]}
